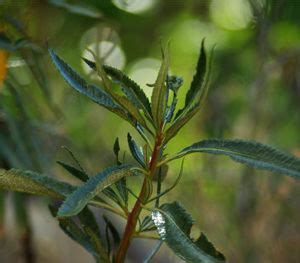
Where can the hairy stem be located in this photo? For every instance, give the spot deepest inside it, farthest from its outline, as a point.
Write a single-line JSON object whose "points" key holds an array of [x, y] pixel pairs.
{"points": [[143, 196]]}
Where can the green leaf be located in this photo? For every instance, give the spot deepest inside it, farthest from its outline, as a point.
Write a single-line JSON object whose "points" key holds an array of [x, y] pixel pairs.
{"points": [[88, 219], [121, 187], [159, 94], [131, 89], [171, 109], [94, 93], [70, 228], [75, 202], [174, 226], [74, 171], [250, 153], [110, 193], [135, 151], [198, 80], [33, 183], [147, 224], [102, 253], [85, 236], [180, 122], [77, 9], [117, 150], [114, 232], [128, 105], [81, 175]]}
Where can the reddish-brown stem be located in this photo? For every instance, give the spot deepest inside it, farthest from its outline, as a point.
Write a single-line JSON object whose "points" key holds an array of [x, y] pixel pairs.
{"points": [[144, 194]]}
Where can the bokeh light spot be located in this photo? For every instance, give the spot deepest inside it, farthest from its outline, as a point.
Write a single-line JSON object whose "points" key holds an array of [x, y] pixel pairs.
{"points": [[109, 52], [135, 6], [231, 14], [144, 72]]}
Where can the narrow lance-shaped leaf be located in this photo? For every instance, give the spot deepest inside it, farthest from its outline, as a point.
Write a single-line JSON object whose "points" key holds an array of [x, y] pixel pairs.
{"points": [[158, 98], [135, 151], [116, 150], [185, 114], [74, 232], [174, 226], [121, 100], [138, 95], [34, 183], [87, 218], [75, 202], [196, 88], [91, 91], [180, 122], [82, 176], [250, 153], [198, 79], [74, 171], [114, 232], [121, 185], [82, 236]]}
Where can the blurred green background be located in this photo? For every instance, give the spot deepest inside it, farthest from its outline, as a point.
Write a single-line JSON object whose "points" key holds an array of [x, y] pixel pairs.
{"points": [[251, 216]]}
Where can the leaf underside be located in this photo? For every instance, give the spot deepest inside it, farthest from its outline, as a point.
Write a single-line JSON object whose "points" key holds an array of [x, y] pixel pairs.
{"points": [[174, 226], [251, 153], [34, 183]]}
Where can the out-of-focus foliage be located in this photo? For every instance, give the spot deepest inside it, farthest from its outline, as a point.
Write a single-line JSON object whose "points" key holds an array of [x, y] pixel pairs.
{"points": [[255, 93]]}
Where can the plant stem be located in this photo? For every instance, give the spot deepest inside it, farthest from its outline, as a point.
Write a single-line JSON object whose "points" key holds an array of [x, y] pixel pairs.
{"points": [[143, 196]]}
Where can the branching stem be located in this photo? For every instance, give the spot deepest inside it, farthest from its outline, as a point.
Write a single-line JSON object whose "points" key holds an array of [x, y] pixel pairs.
{"points": [[130, 232]]}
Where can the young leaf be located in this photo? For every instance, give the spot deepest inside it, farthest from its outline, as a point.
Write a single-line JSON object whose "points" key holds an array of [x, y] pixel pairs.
{"points": [[174, 225], [33, 183], [121, 185], [250, 153], [75, 202], [158, 99], [170, 110], [135, 151], [198, 80], [174, 83], [117, 150]]}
